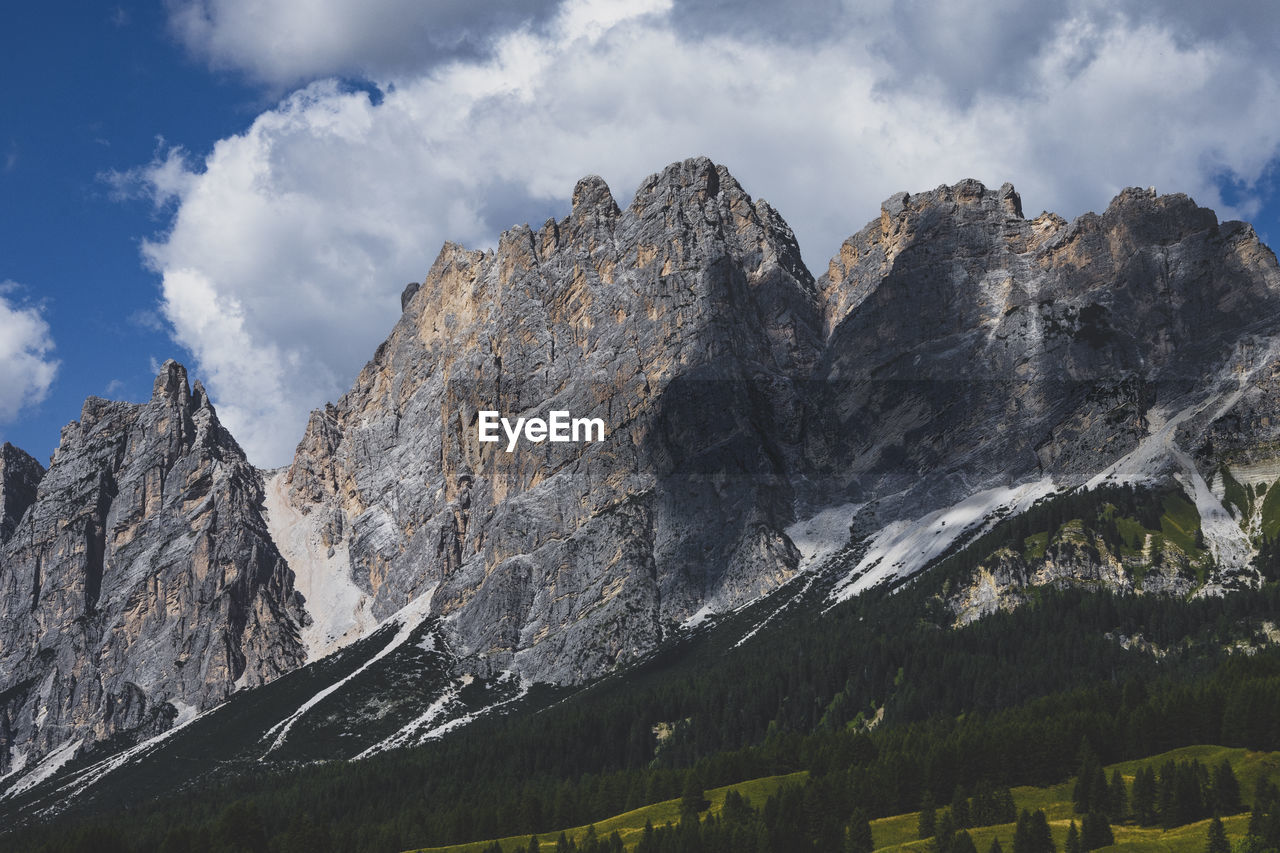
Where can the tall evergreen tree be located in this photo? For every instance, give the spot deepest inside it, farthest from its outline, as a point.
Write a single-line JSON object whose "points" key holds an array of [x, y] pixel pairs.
{"points": [[1144, 796], [960, 809], [1118, 797], [945, 837], [858, 834], [692, 800], [1072, 844], [1217, 840], [1226, 789], [1041, 835], [1095, 832], [928, 823]]}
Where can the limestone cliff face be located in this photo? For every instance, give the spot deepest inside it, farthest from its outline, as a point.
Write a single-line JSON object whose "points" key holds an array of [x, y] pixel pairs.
{"points": [[140, 583], [970, 347], [19, 476], [953, 345], [685, 323]]}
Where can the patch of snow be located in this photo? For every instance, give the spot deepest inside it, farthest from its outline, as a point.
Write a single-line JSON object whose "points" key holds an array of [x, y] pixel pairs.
{"points": [[458, 722], [340, 611], [186, 713], [407, 618], [19, 764], [82, 779], [702, 615], [808, 582], [903, 548], [52, 763], [401, 738], [824, 534], [412, 733]]}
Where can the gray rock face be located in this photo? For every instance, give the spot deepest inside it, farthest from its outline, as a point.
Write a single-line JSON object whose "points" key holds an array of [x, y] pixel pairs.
{"points": [[684, 323], [141, 583], [970, 347], [19, 476], [952, 346]]}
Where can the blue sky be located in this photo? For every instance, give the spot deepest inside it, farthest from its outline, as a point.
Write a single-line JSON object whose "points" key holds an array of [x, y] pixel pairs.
{"points": [[85, 90], [247, 186]]}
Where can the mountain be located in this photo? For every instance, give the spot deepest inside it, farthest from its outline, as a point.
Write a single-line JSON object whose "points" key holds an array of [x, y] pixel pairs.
{"points": [[1011, 403], [140, 586], [685, 324]]}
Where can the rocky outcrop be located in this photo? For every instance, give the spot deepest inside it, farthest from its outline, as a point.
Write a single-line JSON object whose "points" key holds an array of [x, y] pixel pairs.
{"points": [[141, 584], [1074, 557], [19, 476], [970, 347], [685, 323]]}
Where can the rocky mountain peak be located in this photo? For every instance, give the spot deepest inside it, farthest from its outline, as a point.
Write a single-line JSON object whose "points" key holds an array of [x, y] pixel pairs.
{"points": [[171, 386], [689, 302], [592, 198], [144, 582]]}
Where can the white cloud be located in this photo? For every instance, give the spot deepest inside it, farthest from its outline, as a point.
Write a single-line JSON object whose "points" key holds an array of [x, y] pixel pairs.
{"points": [[291, 242], [284, 41], [27, 367]]}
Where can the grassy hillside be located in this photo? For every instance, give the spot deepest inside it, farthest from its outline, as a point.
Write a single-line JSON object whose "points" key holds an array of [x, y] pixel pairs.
{"points": [[900, 831], [630, 824]]}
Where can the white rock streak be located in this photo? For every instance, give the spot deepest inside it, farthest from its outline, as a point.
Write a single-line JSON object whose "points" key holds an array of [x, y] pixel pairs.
{"points": [[407, 618], [340, 612]]}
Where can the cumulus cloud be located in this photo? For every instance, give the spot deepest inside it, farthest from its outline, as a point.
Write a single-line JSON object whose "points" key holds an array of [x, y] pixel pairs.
{"points": [[283, 41], [27, 367], [290, 242]]}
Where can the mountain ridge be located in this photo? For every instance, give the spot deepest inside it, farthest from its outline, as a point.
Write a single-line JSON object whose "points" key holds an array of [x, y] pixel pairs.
{"points": [[744, 400]]}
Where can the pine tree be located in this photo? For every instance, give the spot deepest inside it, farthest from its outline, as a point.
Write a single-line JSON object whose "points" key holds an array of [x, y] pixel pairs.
{"points": [[858, 834], [1144, 796], [1119, 798], [1072, 844], [1226, 789], [1041, 836], [995, 846], [1085, 795], [928, 824], [944, 838], [960, 809], [535, 847], [692, 800], [1022, 833], [963, 843], [1095, 832], [647, 843], [1217, 840]]}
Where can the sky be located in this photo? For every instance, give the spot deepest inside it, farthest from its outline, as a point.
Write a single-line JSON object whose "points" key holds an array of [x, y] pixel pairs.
{"points": [[248, 185]]}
